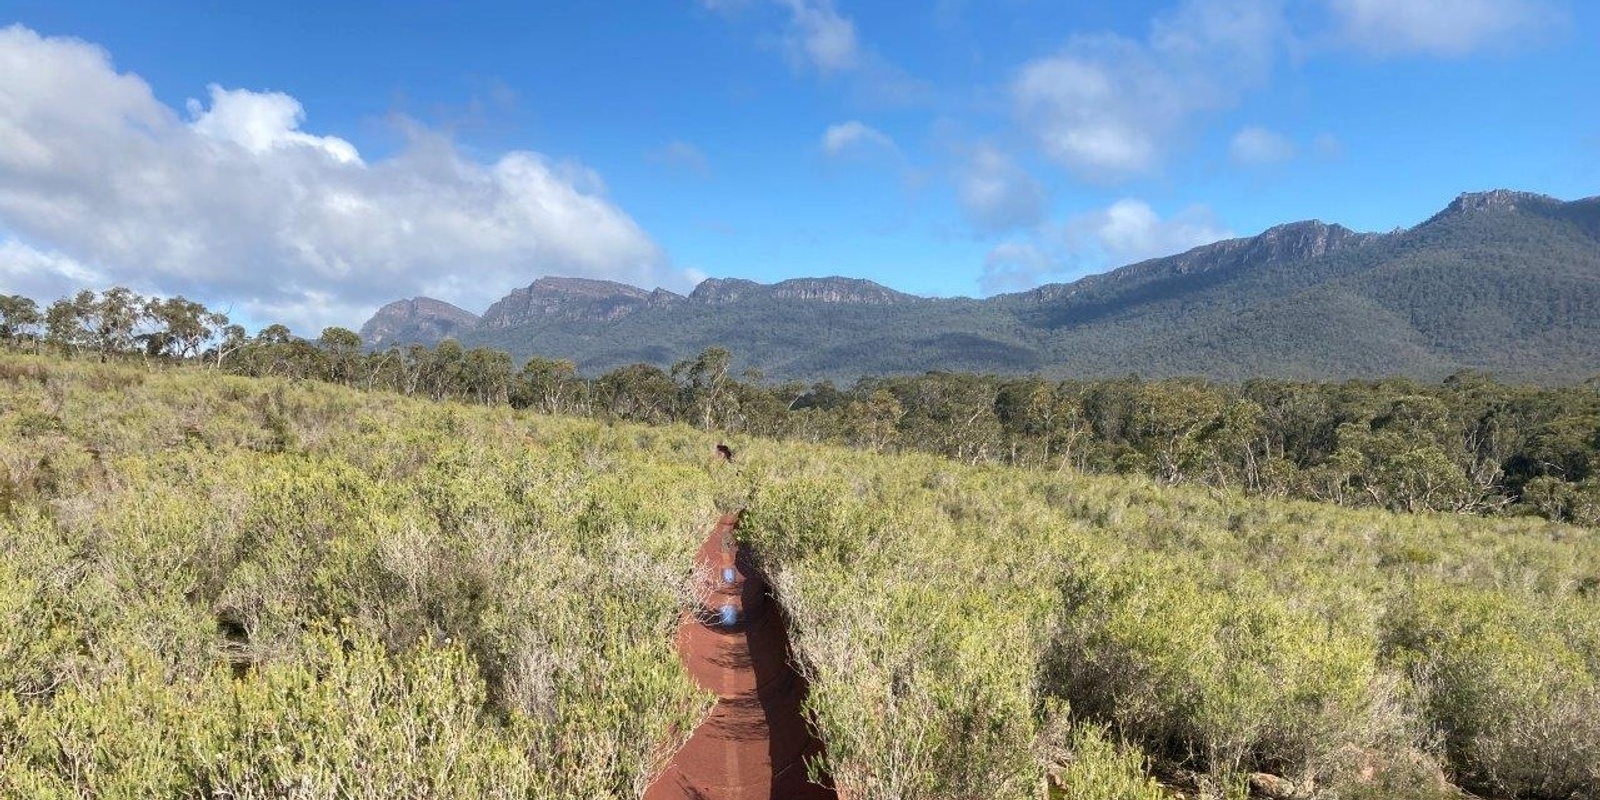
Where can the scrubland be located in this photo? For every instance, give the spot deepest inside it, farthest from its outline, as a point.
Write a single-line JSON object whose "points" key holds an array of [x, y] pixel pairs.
{"points": [[216, 586]]}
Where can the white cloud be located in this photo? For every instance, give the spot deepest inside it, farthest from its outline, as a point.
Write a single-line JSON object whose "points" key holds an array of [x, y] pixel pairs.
{"points": [[40, 275], [997, 195], [1126, 232], [1109, 108], [262, 121], [855, 137], [1257, 146], [1440, 27], [818, 36], [238, 206], [1130, 230]]}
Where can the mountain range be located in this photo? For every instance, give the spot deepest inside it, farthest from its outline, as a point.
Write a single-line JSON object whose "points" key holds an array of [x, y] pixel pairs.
{"points": [[1500, 281]]}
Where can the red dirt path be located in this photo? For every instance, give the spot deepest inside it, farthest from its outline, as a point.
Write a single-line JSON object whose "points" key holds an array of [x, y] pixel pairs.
{"points": [[755, 741]]}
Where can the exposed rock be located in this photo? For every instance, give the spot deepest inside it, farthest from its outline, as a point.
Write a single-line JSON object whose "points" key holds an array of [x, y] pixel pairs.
{"points": [[420, 320], [1496, 200], [839, 290], [662, 297], [1298, 241], [572, 300], [1412, 770], [1265, 784], [720, 291]]}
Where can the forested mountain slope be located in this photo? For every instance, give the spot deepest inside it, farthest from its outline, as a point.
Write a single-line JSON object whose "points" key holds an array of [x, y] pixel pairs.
{"points": [[1502, 281]]}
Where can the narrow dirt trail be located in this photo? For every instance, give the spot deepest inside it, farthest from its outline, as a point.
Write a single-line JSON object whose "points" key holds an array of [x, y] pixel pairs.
{"points": [[755, 741]]}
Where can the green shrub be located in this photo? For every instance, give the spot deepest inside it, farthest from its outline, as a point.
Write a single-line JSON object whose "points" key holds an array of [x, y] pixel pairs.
{"points": [[1234, 677], [1512, 685], [1100, 768]]}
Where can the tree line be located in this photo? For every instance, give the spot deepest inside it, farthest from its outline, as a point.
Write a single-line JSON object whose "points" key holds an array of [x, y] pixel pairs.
{"points": [[1467, 444]]}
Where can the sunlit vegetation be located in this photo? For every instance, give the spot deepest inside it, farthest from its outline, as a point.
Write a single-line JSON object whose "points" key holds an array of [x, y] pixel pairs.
{"points": [[223, 586], [1467, 444], [226, 587]]}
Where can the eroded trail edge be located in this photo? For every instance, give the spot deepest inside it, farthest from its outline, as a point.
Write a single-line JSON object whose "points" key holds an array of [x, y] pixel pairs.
{"points": [[755, 742]]}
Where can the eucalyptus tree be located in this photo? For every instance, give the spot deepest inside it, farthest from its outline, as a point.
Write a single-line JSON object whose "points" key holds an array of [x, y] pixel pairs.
{"points": [[548, 384], [19, 317], [706, 385], [115, 317], [67, 320], [184, 326], [486, 376], [341, 349], [638, 392], [233, 340]]}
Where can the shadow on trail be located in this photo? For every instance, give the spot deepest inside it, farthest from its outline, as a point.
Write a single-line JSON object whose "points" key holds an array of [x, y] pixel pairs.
{"points": [[756, 740]]}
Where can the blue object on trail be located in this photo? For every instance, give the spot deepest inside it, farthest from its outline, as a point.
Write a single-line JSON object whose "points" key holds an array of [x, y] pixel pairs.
{"points": [[727, 576], [729, 616]]}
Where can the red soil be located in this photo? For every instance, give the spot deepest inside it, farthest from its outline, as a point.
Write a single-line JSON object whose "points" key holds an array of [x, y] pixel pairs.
{"points": [[755, 741]]}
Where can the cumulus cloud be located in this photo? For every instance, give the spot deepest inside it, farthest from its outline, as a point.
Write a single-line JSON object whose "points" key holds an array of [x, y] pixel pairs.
{"points": [[1126, 232], [1130, 231], [1109, 108], [1440, 27], [997, 195], [820, 37], [41, 275], [855, 137], [261, 122], [236, 205], [1257, 146]]}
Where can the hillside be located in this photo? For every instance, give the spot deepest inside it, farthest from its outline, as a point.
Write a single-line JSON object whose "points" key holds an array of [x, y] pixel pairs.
{"points": [[420, 319], [221, 586], [1500, 281]]}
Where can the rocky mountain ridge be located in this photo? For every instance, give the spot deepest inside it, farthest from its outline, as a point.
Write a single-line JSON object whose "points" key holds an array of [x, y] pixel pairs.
{"points": [[573, 300], [420, 319], [1501, 280]]}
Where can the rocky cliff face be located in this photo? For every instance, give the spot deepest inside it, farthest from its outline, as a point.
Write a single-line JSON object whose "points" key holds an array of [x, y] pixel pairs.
{"points": [[572, 300], [1298, 241], [420, 320], [1496, 200], [838, 290], [721, 291]]}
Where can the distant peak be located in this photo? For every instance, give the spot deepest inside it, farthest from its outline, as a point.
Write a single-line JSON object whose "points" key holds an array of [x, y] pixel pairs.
{"points": [[1497, 200], [832, 289], [587, 287], [723, 290], [836, 289], [1314, 226], [1493, 200], [420, 319], [571, 300], [427, 305]]}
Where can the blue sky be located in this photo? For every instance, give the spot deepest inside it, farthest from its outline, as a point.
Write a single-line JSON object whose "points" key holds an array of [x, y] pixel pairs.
{"points": [[306, 162]]}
